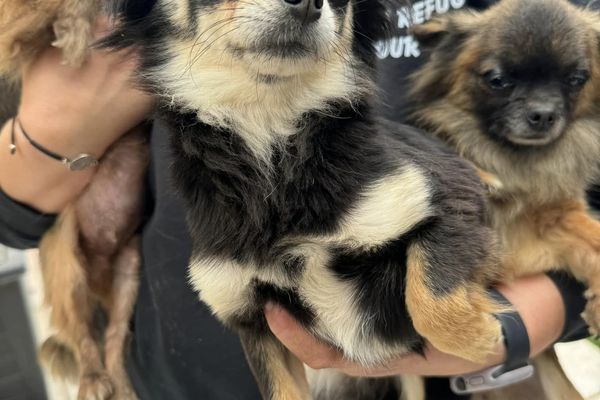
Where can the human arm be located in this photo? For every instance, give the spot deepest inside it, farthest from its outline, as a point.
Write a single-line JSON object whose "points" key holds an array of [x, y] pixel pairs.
{"points": [[70, 111], [537, 299]]}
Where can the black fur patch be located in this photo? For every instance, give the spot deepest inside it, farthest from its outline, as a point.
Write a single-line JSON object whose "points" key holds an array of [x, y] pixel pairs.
{"points": [[237, 211], [378, 278]]}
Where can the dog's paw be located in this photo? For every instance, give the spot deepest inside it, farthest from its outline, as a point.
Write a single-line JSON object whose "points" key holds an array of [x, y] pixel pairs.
{"points": [[591, 315], [123, 389], [476, 341], [95, 386]]}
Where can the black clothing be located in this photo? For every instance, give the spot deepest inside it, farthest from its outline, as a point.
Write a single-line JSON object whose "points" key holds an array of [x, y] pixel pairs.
{"points": [[21, 227]]}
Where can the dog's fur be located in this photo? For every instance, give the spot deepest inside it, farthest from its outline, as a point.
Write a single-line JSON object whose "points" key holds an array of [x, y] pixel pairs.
{"points": [[371, 234], [486, 72], [90, 258], [28, 26]]}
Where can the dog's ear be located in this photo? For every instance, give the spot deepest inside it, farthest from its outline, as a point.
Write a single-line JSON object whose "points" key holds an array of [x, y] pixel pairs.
{"points": [[454, 27], [431, 33]]}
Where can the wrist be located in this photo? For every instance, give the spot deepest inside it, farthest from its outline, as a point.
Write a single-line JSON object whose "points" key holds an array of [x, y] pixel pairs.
{"points": [[539, 303], [65, 135], [34, 179]]}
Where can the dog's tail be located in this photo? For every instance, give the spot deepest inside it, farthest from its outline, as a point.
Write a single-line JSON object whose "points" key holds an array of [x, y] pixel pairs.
{"points": [[59, 359]]}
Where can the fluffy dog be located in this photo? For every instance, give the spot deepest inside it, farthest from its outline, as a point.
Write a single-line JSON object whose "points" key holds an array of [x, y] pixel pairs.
{"points": [[515, 90], [90, 258], [372, 234]]}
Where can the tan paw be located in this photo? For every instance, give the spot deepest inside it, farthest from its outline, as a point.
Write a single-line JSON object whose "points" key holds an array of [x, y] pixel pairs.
{"points": [[123, 388], [591, 315], [95, 386], [475, 340]]}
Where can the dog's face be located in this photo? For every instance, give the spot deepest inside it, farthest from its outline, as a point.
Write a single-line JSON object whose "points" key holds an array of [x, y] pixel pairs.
{"points": [[256, 66], [524, 69], [271, 39]]}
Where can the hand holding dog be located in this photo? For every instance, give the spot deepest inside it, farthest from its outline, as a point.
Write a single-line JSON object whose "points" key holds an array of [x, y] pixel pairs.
{"points": [[536, 298], [70, 111]]}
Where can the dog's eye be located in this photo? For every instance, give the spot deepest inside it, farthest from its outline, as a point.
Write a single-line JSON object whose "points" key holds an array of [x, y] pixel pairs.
{"points": [[578, 79], [498, 81]]}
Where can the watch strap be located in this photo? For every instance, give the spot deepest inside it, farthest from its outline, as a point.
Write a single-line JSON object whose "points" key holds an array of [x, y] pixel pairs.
{"points": [[515, 369], [516, 338]]}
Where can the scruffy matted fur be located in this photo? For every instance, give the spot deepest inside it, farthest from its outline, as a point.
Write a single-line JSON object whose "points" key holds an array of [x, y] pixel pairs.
{"points": [[28, 26], [90, 258], [371, 234], [516, 90]]}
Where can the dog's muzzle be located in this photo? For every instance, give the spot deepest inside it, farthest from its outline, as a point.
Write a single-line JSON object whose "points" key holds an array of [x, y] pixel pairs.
{"points": [[304, 11]]}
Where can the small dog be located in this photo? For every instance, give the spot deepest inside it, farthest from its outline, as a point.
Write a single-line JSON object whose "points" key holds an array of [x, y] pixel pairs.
{"points": [[371, 234], [90, 258], [516, 91]]}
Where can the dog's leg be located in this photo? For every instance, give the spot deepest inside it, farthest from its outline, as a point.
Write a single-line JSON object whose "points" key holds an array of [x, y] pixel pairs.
{"points": [[71, 303], [567, 236], [279, 374], [455, 320], [123, 298], [577, 235]]}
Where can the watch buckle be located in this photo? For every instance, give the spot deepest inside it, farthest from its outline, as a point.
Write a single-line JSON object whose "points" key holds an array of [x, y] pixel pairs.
{"points": [[489, 379]]}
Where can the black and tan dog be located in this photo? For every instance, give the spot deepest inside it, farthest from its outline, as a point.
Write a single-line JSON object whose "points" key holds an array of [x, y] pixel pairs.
{"points": [[515, 90], [372, 234]]}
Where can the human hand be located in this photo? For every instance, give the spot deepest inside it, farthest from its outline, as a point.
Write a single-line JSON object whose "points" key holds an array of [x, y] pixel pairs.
{"points": [[70, 111], [82, 109], [536, 298]]}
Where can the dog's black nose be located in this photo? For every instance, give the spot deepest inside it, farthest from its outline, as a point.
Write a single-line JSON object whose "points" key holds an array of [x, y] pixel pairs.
{"points": [[306, 11], [541, 118]]}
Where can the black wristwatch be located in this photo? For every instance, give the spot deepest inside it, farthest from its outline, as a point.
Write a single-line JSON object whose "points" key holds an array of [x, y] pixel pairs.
{"points": [[515, 368]]}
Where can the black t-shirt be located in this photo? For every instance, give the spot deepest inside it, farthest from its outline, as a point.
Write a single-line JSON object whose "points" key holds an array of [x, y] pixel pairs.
{"points": [[179, 351]]}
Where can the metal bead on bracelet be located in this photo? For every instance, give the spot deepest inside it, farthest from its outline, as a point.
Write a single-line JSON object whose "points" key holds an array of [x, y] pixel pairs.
{"points": [[79, 162]]}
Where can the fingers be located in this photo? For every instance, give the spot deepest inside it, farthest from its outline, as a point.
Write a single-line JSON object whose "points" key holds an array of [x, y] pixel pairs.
{"points": [[305, 346]]}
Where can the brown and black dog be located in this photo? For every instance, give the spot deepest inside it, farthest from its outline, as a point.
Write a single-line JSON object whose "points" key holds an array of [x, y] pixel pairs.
{"points": [[90, 258], [516, 91]]}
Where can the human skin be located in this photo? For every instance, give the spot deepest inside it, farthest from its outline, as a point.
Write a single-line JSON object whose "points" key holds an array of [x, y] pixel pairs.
{"points": [[536, 298], [69, 111]]}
